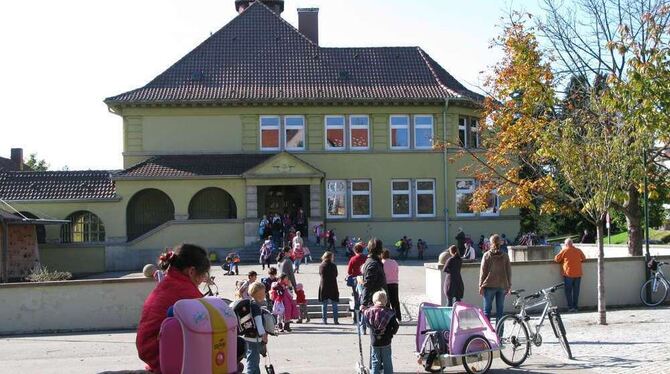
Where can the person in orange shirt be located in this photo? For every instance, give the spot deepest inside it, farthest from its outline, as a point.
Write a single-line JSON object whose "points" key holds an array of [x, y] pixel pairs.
{"points": [[571, 258]]}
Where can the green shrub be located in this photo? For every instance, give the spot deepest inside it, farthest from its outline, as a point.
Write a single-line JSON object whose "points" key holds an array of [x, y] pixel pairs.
{"points": [[42, 274]]}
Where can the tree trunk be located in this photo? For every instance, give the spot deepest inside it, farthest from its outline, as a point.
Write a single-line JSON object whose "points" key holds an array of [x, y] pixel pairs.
{"points": [[602, 313], [633, 215]]}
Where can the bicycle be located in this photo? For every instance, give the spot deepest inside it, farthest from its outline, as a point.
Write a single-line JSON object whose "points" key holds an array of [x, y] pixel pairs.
{"points": [[513, 329], [657, 284]]}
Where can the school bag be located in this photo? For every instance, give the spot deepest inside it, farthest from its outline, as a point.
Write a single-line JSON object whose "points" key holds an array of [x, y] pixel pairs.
{"points": [[200, 337]]}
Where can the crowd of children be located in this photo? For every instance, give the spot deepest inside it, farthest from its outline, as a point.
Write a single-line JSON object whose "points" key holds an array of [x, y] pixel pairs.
{"points": [[182, 270]]}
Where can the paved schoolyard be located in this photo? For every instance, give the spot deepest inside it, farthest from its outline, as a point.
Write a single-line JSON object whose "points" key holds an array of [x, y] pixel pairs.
{"points": [[636, 340]]}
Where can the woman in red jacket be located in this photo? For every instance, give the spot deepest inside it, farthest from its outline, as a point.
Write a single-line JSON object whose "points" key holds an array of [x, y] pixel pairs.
{"points": [[187, 267]]}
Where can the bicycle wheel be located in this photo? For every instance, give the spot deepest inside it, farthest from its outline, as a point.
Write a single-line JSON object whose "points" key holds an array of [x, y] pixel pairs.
{"points": [[478, 356], [658, 292], [514, 340], [559, 331]]}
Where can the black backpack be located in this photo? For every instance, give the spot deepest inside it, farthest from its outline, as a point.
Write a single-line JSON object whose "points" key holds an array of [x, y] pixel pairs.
{"points": [[246, 326]]}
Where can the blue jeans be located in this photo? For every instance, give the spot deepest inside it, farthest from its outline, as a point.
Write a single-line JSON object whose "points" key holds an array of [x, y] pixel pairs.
{"points": [[572, 291], [324, 310], [381, 360], [253, 358], [499, 295], [296, 264]]}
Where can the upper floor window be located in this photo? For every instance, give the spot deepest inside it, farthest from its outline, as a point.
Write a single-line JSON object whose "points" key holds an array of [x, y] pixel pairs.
{"points": [[294, 133], [423, 132], [84, 227], [399, 132], [468, 132], [270, 133], [359, 132], [335, 132]]}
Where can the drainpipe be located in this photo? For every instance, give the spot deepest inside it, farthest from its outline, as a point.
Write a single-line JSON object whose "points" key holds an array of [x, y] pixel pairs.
{"points": [[5, 251], [446, 173]]}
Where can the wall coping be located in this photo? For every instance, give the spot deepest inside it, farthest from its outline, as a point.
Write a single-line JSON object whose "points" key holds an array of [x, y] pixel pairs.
{"points": [[437, 266], [71, 245], [76, 282]]}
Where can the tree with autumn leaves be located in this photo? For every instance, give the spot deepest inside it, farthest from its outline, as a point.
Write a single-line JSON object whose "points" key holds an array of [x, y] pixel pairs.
{"points": [[576, 153]]}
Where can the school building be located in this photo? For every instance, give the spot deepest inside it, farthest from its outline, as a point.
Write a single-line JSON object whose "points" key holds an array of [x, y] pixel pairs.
{"points": [[257, 119]]}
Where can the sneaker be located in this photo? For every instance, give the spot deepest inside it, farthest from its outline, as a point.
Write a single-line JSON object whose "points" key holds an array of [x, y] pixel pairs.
{"points": [[336, 323], [299, 321]]}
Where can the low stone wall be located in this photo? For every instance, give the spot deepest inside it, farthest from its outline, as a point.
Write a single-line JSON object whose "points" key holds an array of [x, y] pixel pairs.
{"points": [[78, 305], [621, 250], [623, 279]]}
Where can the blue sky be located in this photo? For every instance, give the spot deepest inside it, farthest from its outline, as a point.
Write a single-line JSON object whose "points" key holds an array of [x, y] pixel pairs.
{"points": [[62, 58]]}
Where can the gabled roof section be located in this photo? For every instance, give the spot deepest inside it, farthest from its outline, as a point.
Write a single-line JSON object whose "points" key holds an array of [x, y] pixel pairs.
{"points": [[260, 58], [193, 166], [57, 185], [283, 165]]}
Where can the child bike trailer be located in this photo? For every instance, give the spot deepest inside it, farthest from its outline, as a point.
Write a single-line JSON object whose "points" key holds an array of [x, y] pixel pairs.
{"points": [[447, 336], [200, 338]]}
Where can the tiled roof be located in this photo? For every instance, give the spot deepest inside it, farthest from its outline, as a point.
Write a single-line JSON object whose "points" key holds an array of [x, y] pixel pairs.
{"points": [[176, 166], [259, 57], [56, 185]]}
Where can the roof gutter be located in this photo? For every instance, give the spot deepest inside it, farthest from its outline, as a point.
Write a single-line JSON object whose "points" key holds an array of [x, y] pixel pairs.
{"points": [[446, 172]]}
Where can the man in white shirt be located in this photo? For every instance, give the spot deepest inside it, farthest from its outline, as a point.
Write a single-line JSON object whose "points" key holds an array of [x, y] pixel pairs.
{"points": [[469, 254]]}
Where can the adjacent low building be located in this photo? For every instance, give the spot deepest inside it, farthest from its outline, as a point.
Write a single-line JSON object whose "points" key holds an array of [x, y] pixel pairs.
{"points": [[260, 119]]}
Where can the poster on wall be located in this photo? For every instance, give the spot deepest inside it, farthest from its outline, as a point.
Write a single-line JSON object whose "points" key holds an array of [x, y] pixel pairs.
{"points": [[336, 197]]}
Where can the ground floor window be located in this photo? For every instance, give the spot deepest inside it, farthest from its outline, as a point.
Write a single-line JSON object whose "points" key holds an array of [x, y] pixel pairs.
{"points": [[360, 199], [336, 198], [400, 191], [84, 227], [425, 198], [465, 189]]}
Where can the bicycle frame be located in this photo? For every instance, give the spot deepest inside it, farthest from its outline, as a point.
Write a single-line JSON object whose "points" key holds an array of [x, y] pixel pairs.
{"points": [[659, 277], [546, 301]]}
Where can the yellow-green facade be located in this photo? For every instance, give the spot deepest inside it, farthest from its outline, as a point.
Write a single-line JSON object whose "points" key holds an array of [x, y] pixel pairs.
{"points": [[150, 131]]}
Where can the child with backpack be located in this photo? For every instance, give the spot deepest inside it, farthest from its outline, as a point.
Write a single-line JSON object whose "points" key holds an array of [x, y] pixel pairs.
{"points": [[250, 325], [383, 325], [301, 300], [186, 267], [267, 282], [297, 256], [242, 287], [284, 306], [231, 266]]}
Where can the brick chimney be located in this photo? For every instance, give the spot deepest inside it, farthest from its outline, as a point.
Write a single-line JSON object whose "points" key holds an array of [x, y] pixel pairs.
{"points": [[308, 23], [17, 158]]}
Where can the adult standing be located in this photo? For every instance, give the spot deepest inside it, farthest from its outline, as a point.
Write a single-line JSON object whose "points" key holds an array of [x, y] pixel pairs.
{"points": [[328, 290], [354, 266], [374, 278], [286, 265], [460, 241], [297, 239], [571, 258], [301, 222], [391, 271], [263, 231], [453, 283], [495, 278], [277, 230]]}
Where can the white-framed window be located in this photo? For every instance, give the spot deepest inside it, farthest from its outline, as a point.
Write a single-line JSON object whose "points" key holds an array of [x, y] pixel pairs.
{"points": [[465, 188], [270, 133], [336, 198], [463, 131], [359, 132], [335, 133], [399, 125], [294, 133], [474, 133], [401, 202], [360, 199], [492, 204], [423, 132], [425, 197], [469, 132]]}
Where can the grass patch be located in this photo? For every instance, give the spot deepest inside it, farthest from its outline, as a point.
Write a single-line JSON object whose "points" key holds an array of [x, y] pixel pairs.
{"points": [[655, 236]]}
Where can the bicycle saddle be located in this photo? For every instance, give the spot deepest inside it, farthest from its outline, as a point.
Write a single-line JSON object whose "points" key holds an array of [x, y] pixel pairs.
{"points": [[517, 292]]}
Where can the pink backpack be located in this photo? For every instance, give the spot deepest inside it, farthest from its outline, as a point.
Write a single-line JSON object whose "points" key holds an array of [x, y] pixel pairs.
{"points": [[200, 338]]}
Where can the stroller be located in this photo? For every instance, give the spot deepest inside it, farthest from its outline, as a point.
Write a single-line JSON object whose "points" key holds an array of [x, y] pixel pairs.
{"points": [[447, 336]]}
